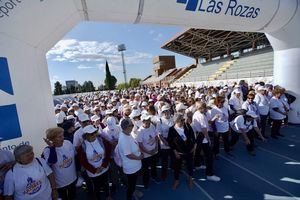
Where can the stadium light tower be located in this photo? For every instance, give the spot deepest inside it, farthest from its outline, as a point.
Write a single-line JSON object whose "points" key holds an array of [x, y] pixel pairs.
{"points": [[122, 48]]}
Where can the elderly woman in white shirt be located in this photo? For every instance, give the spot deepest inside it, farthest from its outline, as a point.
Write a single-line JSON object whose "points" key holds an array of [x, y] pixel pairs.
{"points": [[95, 155], [60, 156], [245, 125], [166, 121], [148, 142], [262, 102], [220, 118], [30, 178], [235, 101]]}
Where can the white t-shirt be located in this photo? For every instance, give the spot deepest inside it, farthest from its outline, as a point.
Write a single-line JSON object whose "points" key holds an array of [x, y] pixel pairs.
{"points": [[5, 157], [64, 169], [164, 130], [128, 145], [263, 104], [199, 121], [250, 106], [276, 103], [111, 134], [29, 182], [137, 124], [77, 140], [239, 123], [235, 102], [95, 154], [147, 136], [221, 123]]}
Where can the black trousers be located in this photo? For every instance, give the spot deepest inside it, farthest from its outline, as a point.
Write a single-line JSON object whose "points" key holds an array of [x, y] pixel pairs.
{"points": [[188, 158], [165, 156], [68, 192], [263, 123], [100, 182], [208, 155], [276, 125], [146, 163], [225, 138], [131, 181], [250, 135], [88, 183]]}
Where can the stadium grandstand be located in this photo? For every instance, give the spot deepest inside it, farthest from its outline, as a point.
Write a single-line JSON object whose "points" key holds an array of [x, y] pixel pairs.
{"points": [[223, 56]]}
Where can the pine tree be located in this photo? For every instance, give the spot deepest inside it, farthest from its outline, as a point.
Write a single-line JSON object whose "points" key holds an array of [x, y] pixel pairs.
{"points": [[110, 81]]}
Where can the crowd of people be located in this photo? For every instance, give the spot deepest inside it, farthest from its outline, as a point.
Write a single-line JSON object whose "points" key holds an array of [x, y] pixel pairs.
{"points": [[108, 139]]}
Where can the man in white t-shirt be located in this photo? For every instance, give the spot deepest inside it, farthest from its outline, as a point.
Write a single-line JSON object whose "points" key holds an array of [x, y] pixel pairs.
{"points": [[131, 156]]}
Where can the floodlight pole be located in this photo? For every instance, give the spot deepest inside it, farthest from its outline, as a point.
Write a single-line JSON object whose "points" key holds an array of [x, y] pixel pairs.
{"points": [[122, 48]]}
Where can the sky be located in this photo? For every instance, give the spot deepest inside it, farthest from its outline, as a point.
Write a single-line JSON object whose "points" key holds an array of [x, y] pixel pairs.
{"points": [[81, 54]]}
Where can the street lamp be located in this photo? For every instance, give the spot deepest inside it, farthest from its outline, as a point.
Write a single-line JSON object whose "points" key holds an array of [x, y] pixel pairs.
{"points": [[122, 48]]}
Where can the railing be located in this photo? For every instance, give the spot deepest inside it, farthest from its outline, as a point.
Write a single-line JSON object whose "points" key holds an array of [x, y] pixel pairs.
{"points": [[247, 74], [234, 75]]}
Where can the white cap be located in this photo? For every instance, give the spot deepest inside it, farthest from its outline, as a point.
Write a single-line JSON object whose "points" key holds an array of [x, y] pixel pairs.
{"points": [[83, 117], [180, 106], [77, 125], [63, 106], [144, 103], [236, 91], [111, 122], [134, 113], [251, 114], [70, 109], [89, 129], [86, 108], [75, 104], [261, 88], [165, 108], [57, 107], [145, 117], [94, 118], [108, 112], [70, 117], [59, 118]]}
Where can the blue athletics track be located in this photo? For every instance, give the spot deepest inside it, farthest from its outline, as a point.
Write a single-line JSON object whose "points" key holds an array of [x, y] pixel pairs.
{"points": [[273, 174]]}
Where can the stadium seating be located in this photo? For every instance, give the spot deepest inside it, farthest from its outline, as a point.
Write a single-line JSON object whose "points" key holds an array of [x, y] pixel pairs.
{"points": [[251, 65]]}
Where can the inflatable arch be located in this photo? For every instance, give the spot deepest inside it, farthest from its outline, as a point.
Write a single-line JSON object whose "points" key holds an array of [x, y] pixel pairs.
{"points": [[29, 28]]}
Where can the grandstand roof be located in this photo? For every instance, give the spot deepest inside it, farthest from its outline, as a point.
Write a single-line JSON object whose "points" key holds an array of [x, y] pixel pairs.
{"points": [[201, 43]]}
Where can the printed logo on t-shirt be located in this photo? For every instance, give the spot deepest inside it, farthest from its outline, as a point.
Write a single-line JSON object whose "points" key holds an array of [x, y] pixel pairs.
{"points": [[32, 186], [66, 162], [96, 156]]}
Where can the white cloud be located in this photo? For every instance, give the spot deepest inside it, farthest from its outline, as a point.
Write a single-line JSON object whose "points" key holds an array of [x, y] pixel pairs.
{"points": [[85, 67], [72, 50], [112, 67], [158, 37], [54, 79], [151, 32]]}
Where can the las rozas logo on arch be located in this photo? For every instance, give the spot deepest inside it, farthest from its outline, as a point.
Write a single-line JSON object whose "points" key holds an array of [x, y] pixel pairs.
{"points": [[232, 8]]}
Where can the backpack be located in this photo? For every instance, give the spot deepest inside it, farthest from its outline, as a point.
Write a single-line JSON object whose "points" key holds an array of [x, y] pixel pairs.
{"points": [[117, 156]]}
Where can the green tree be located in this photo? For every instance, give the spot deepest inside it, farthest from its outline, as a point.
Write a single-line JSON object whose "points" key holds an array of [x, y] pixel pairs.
{"points": [[58, 88], [110, 81], [134, 82], [88, 86], [121, 86]]}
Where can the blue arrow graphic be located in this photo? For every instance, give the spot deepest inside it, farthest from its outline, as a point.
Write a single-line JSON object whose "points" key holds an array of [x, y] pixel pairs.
{"points": [[5, 80]]}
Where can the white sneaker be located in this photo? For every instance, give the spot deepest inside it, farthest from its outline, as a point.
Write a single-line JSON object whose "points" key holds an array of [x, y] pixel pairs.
{"points": [[79, 182], [200, 167], [213, 178]]}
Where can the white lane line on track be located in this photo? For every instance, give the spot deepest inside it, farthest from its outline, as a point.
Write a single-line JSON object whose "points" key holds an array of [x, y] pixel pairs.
{"points": [[199, 187], [277, 154], [258, 176]]}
